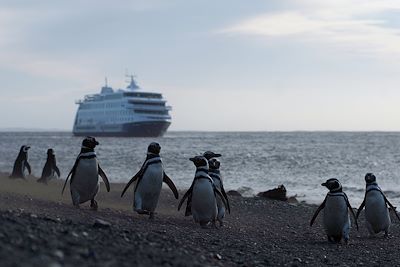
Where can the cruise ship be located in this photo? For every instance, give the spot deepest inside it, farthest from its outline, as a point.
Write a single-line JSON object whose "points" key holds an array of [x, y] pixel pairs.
{"points": [[129, 112]]}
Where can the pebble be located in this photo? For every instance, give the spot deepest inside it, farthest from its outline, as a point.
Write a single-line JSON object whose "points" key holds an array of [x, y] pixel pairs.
{"points": [[59, 254], [99, 223]]}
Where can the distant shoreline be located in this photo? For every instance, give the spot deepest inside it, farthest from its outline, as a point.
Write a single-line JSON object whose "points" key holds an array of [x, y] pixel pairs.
{"points": [[39, 130]]}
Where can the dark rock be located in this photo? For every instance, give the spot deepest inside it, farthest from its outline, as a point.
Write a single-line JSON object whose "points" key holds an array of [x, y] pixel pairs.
{"points": [[218, 257], [233, 193], [278, 193], [98, 223]]}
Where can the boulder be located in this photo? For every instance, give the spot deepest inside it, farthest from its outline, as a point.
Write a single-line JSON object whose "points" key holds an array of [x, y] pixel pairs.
{"points": [[278, 193]]}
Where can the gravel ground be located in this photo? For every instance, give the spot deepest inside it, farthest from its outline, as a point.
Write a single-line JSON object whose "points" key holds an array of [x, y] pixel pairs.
{"points": [[37, 229]]}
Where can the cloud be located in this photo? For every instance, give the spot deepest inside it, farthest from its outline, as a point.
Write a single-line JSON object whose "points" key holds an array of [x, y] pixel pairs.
{"points": [[356, 26]]}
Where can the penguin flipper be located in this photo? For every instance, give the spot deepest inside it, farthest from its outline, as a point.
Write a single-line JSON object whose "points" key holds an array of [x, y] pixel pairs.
{"points": [[71, 173], [226, 197], [28, 166], [134, 178], [171, 185], [351, 209], [321, 207], [189, 192], [391, 206], [66, 180], [218, 192], [360, 209], [104, 177], [57, 171]]}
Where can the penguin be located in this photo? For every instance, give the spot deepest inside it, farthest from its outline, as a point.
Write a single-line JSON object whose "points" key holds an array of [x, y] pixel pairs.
{"points": [[21, 163], [50, 168], [336, 218], [208, 155], [149, 182], [84, 175], [215, 174], [204, 195], [377, 217]]}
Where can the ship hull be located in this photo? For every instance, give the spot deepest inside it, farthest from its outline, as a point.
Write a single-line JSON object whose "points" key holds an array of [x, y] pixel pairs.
{"points": [[134, 129]]}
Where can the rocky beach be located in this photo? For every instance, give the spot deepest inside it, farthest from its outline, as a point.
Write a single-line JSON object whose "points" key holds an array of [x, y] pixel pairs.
{"points": [[39, 227]]}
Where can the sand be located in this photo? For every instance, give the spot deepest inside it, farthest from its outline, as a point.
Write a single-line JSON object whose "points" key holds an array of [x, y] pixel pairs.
{"points": [[39, 227]]}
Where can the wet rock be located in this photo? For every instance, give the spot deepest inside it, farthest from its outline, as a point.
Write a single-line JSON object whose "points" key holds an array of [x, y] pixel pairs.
{"points": [[278, 193]]}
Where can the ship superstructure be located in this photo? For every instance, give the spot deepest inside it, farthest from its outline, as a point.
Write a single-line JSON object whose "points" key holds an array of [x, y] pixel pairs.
{"points": [[123, 112]]}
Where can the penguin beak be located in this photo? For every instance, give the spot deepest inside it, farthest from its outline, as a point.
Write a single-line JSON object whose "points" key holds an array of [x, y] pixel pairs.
{"points": [[191, 159], [323, 184]]}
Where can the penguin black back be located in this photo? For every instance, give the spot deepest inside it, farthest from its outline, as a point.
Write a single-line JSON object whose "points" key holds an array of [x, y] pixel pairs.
{"points": [[21, 163]]}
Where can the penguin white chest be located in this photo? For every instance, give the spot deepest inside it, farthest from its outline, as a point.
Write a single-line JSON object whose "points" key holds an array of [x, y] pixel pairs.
{"points": [[149, 187], [86, 180], [336, 216], [376, 211], [204, 205]]}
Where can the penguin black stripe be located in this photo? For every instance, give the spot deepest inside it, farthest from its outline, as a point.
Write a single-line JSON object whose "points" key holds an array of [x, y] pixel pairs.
{"points": [[215, 175]]}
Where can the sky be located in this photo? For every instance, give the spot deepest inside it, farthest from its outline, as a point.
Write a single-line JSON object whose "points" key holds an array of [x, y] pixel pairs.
{"points": [[226, 65]]}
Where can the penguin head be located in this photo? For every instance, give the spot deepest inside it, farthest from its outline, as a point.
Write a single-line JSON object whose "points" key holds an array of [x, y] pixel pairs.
{"points": [[154, 148], [370, 178], [214, 163], [333, 185], [200, 161], [89, 142], [50, 152], [24, 148], [209, 155]]}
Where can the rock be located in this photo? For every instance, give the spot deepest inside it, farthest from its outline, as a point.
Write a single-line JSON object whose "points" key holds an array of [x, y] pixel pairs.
{"points": [[278, 193], [293, 199], [233, 193], [246, 191], [218, 257], [99, 223], [59, 254]]}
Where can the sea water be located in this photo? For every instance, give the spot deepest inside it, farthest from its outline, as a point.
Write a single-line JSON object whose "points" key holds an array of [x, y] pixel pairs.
{"points": [[251, 161]]}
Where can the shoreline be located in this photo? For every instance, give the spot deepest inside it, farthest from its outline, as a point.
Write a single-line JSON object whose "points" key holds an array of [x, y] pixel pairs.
{"points": [[42, 228]]}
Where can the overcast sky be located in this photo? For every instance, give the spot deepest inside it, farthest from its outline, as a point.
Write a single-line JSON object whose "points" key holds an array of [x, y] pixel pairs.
{"points": [[222, 65]]}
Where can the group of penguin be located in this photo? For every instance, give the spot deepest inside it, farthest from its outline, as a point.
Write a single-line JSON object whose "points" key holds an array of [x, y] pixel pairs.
{"points": [[206, 198], [21, 163], [336, 206]]}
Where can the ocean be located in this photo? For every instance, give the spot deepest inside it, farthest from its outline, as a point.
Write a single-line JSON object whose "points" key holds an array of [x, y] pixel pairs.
{"points": [[251, 161]]}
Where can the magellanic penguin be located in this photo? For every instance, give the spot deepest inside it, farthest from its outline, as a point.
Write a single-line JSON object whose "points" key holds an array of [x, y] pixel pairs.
{"points": [[204, 194], [50, 168], [21, 163], [215, 174], [336, 216], [84, 174], [208, 155], [149, 182], [377, 218]]}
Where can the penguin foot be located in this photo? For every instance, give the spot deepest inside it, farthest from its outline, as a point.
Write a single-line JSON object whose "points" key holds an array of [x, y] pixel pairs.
{"points": [[94, 205], [76, 206], [140, 211], [221, 223], [207, 225], [151, 217]]}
